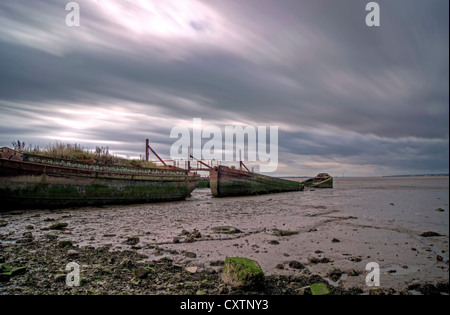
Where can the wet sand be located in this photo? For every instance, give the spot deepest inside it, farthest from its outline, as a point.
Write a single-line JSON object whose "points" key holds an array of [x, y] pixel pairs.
{"points": [[360, 220]]}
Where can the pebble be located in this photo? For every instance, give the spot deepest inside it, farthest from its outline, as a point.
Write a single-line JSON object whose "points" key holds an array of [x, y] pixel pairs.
{"points": [[72, 253]]}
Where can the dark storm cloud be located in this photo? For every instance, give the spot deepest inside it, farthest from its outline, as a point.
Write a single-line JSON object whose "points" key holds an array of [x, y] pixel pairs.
{"points": [[335, 87]]}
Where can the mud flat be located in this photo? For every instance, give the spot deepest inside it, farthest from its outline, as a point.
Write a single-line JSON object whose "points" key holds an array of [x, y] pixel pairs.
{"points": [[298, 238]]}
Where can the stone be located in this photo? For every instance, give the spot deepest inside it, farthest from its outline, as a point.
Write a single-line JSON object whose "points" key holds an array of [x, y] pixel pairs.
{"points": [[18, 271], [335, 240], [335, 273], [191, 269], [60, 277], [284, 232], [430, 234], [65, 244], [273, 242], [440, 210], [319, 289], [58, 226], [226, 229], [72, 253], [190, 255], [5, 276], [296, 265], [196, 234], [141, 273], [242, 272], [132, 240]]}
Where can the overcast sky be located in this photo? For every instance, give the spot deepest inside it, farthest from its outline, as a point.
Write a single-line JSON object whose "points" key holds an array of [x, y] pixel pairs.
{"points": [[347, 98]]}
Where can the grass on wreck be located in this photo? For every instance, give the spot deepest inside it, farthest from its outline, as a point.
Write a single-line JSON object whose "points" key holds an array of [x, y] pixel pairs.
{"points": [[104, 272]]}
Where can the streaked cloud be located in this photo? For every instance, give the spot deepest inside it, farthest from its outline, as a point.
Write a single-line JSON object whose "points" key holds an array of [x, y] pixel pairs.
{"points": [[346, 98]]}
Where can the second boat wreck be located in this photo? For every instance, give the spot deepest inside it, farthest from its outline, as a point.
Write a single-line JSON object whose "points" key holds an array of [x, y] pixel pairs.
{"points": [[227, 182]]}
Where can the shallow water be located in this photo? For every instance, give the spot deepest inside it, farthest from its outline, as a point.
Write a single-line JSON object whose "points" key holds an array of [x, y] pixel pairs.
{"points": [[374, 219]]}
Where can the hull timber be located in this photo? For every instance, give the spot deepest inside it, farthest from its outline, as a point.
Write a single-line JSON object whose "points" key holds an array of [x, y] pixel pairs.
{"points": [[31, 181], [226, 182]]}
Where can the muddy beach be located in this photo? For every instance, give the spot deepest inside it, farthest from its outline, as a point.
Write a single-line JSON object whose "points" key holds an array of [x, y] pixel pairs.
{"points": [[298, 238]]}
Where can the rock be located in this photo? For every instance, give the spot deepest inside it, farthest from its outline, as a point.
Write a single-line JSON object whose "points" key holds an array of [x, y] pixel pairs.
{"points": [[190, 255], [58, 226], [4, 268], [284, 232], [335, 240], [242, 273], [296, 265], [141, 273], [29, 227], [317, 260], [429, 234], [335, 273], [191, 269], [273, 242], [24, 240], [127, 263], [439, 258], [226, 229], [65, 244], [60, 277], [217, 263], [3, 223], [18, 271], [5, 276], [51, 237], [132, 240], [176, 240], [280, 266], [440, 210], [72, 253], [319, 289], [5, 273], [196, 234]]}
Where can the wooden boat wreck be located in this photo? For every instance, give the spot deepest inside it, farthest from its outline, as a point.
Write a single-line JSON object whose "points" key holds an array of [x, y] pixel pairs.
{"points": [[322, 180], [227, 182], [35, 181]]}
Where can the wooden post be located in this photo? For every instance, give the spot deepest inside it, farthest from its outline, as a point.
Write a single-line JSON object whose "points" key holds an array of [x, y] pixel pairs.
{"points": [[240, 160], [189, 158], [146, 149]]}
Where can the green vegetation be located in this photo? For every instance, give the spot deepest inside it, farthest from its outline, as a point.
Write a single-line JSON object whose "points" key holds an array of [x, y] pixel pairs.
{"points": [[76, 152]]}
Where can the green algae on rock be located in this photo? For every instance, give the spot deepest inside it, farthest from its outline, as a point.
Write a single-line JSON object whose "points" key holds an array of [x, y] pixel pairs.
{"points": [[242, 272]]}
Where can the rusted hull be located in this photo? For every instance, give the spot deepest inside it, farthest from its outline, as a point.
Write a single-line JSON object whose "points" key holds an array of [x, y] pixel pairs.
{"points": [[225, 182], [28, 185]]}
